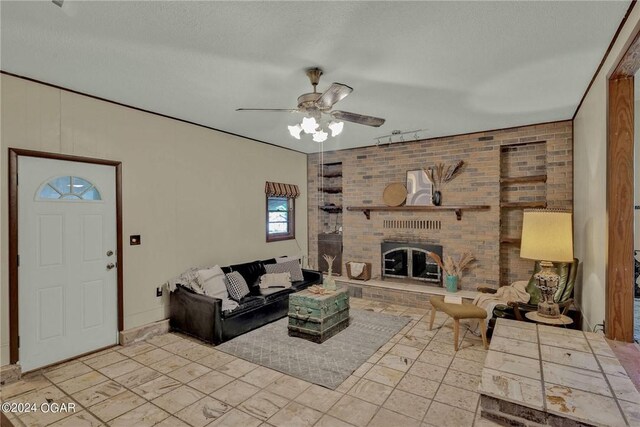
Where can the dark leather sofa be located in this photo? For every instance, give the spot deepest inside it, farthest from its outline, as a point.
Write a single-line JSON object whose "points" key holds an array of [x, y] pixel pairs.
{"points": [[201, 316]]}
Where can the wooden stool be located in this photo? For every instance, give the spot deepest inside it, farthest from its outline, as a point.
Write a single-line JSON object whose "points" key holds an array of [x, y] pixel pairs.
{"points": [[465, 310]]}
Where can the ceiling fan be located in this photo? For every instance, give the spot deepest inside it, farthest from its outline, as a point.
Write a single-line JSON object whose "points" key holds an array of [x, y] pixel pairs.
{"points": [[314, 104]]}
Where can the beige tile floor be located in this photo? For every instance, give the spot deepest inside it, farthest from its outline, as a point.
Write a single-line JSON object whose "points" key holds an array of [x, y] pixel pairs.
{"points": [[416, 379]]}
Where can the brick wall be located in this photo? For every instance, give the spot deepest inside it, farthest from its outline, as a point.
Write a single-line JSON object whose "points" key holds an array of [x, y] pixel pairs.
{"points": [[528, 150]]}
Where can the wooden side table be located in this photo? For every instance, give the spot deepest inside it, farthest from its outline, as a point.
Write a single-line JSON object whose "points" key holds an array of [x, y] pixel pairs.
{"points": [[553, 321]]}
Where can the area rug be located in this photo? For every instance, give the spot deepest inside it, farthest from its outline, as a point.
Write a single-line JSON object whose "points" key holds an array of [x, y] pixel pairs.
{"points": [[327, 364]]}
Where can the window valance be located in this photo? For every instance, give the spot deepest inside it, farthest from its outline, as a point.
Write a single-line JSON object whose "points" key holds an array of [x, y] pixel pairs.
{"points": [[277, 189]]}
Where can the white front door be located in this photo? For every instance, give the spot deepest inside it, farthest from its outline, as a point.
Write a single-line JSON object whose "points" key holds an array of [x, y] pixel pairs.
{"points": [[67, 276]]}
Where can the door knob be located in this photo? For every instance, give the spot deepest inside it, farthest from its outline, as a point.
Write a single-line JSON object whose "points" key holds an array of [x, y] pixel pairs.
{"points": [[109, 253], [110, 266]]}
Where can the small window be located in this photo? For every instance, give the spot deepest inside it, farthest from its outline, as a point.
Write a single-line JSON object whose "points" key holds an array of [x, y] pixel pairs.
{"points": [[280, 218], [69, 188]]}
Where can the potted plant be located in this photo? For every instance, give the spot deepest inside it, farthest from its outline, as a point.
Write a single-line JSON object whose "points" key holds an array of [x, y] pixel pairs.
{"points": [[329, 282], [439, 177], [452, 269]]}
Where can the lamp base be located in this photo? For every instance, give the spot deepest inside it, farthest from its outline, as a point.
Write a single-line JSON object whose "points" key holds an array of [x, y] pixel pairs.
{"points": [[549, 309], [547, 282]]}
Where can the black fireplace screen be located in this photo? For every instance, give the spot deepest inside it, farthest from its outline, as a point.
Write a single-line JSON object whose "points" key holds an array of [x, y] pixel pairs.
{"points": [[396, 263], [410, 261]]}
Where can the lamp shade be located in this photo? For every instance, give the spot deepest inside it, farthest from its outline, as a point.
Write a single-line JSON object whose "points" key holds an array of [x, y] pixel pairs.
{"points": [[547, 235]]}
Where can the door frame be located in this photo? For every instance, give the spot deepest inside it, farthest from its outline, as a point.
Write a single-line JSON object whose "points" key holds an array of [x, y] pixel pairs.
{"points": [[620, 193], [14, 153]]}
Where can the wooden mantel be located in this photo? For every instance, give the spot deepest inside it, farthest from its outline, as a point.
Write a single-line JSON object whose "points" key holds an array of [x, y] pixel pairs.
{"points": [[366, 210]]}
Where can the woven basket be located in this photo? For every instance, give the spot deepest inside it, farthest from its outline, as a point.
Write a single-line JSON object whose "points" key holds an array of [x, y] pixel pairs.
{"points": [[365, 275]]}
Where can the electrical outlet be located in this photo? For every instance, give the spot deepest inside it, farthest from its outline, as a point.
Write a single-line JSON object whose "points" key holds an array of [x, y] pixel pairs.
{"points": [[158, 292]]}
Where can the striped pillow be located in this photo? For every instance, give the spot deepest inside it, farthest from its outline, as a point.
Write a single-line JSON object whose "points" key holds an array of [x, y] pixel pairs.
{"points": [[292, 267], [237, 286]]}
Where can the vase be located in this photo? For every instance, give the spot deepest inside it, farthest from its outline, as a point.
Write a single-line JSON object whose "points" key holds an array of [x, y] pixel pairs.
{"points": [[329, 282], [451, 283], [436, 198]]}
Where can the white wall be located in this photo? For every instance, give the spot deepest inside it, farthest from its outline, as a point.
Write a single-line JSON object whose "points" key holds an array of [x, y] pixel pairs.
{"points": [[636, 161], [195, 195], [590, 194]]}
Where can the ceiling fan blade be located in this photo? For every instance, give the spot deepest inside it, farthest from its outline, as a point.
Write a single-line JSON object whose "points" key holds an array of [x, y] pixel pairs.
{"points": [[275, 110], [335, 93], [357, 118]]}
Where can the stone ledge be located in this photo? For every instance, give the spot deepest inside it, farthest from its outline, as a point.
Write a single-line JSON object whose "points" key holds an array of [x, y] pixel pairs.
{"points": [[406, 287], [396, 292]]}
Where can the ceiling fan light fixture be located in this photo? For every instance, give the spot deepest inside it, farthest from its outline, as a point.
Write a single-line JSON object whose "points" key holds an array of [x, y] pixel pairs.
{"points": [[336, 128], [309, 125], [320, 136], [316, 105], [295, 131]]}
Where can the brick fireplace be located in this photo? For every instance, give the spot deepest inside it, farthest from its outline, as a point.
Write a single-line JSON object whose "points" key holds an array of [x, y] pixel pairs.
{"points": [[409, 261], [494, 163]]}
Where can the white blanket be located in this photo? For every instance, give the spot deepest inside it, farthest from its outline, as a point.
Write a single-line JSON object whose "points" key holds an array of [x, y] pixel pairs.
{"points": [[516, 292], [189, 279], [357, 268]]}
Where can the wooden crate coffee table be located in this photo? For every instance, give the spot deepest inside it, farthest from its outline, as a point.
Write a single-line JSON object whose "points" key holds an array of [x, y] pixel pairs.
{"points": [[317, 317]]}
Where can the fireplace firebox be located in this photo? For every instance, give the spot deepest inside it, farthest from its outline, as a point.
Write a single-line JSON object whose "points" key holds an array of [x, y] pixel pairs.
{"points": [[409, 260]]}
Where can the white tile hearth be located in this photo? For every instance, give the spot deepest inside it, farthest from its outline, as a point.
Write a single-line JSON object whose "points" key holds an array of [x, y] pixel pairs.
{"points": [[583, 406], [516, 333], [513, 364], [566, 357], [579, 380], [514, 346], [512, 388]]}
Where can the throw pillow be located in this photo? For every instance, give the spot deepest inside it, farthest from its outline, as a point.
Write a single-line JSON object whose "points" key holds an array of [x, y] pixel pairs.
{"points": [[237, 286], [212, 281], [276, 279], [292, 267], [215, 286], [251, 271]]}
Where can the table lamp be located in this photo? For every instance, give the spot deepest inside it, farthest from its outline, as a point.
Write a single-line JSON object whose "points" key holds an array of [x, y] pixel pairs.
{"points": [[547, 236]]}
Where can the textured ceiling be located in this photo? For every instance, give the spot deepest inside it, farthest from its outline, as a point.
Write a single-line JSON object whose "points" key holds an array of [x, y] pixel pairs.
{"points": [[449, 67]]}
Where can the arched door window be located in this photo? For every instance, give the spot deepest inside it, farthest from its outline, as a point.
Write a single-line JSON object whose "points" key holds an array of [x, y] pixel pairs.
{"points": [[68, 188]]}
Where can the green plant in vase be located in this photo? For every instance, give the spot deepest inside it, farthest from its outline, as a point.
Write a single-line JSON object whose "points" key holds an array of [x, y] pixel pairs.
{"points": [[329, 282], [452, 269]]}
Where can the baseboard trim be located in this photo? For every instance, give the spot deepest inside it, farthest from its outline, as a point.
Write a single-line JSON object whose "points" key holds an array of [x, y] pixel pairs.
{"points": [[141, 333], [10, 374]]}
